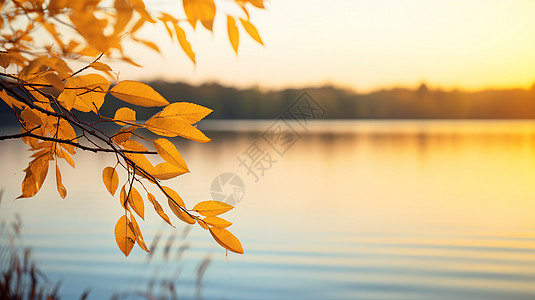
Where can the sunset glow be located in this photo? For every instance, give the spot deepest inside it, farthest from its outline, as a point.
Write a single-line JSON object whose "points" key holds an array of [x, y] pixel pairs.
{"points": [[363, 45]]}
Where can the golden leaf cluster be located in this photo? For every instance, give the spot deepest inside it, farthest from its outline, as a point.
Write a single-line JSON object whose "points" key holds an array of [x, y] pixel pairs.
{"points": [[56, 105]]}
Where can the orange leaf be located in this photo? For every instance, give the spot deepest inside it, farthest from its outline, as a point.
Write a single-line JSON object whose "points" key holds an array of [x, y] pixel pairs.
{"points": [[226, 239], [139, 236], [212, 208], [61, 188], [251, 29], [233, 33], [124, 235], [188, 112], [138, 93], [35, 176], [136, 202], [170, 154], [111, 179], [89, 89], [217, 222], [175, 203], [158, 208], [123, 134], [200, 10], [99, 66], [172, 126], [183, 41], [125, 114], [165, 170]]}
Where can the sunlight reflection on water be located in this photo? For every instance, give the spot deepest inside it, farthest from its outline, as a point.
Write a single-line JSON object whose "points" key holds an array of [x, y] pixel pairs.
{"points": [[353, 210]]}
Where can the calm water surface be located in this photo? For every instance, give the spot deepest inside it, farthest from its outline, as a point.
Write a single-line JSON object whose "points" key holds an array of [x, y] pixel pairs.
{"points": [[350, 210]]}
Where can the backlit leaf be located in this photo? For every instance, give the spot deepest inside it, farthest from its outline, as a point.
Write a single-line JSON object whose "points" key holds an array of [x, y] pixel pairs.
{"points": [[31, 115], [217, 222], [67, 157], [165, 170], [138, 93], [200, 10], [61, 188], [226, 239], [203, 225], [125, 114], [137, 232], [251, 29], [111, 179], [35, 176], [124, 236], [212, 208], [136, 202], [174, 202], [122, 198], [12, 102], [99, 66], [183, 41], [141, 161], [172, 126], [233, 33], [124, 14], [158, 208], [190, 113], [88, 90], [169, 153], [134, 145], [123, 134]]}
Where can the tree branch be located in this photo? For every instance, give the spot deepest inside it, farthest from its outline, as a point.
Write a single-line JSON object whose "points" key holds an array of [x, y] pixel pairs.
{"points": [[78, 145]]}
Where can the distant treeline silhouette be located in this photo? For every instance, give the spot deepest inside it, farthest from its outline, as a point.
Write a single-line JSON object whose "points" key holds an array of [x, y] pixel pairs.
{"points": [[395, 103]]}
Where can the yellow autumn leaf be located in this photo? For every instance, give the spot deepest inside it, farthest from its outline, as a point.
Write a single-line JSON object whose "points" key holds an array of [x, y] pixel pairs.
{"points": [[233, 33], [125, 114], [141, 161], [212, 208], [148, 44], [217, 222], [35, 176], [12, 102], [59, 183], [165, 170], [110, 179], [139, 236], [251, 30], [122, 198], [124, 235], [99, 66], [169, 153], [175, 202], [158, 208], [67, 157], [124, 14], [200, 10], [88, 92], [134, 145], [203, 225], [65, 131], [123, 134], [54, 80], [136, 202], [138, 93], [183, 41], [226, 239], [190, 113], [172, 126], [31, 115]]}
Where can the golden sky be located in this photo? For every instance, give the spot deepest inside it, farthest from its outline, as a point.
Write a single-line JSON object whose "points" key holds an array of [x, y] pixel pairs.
{"points": [[363, 45]]}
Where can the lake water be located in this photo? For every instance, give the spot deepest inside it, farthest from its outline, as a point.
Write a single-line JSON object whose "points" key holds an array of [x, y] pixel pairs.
{"points": [[342, 210]]}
